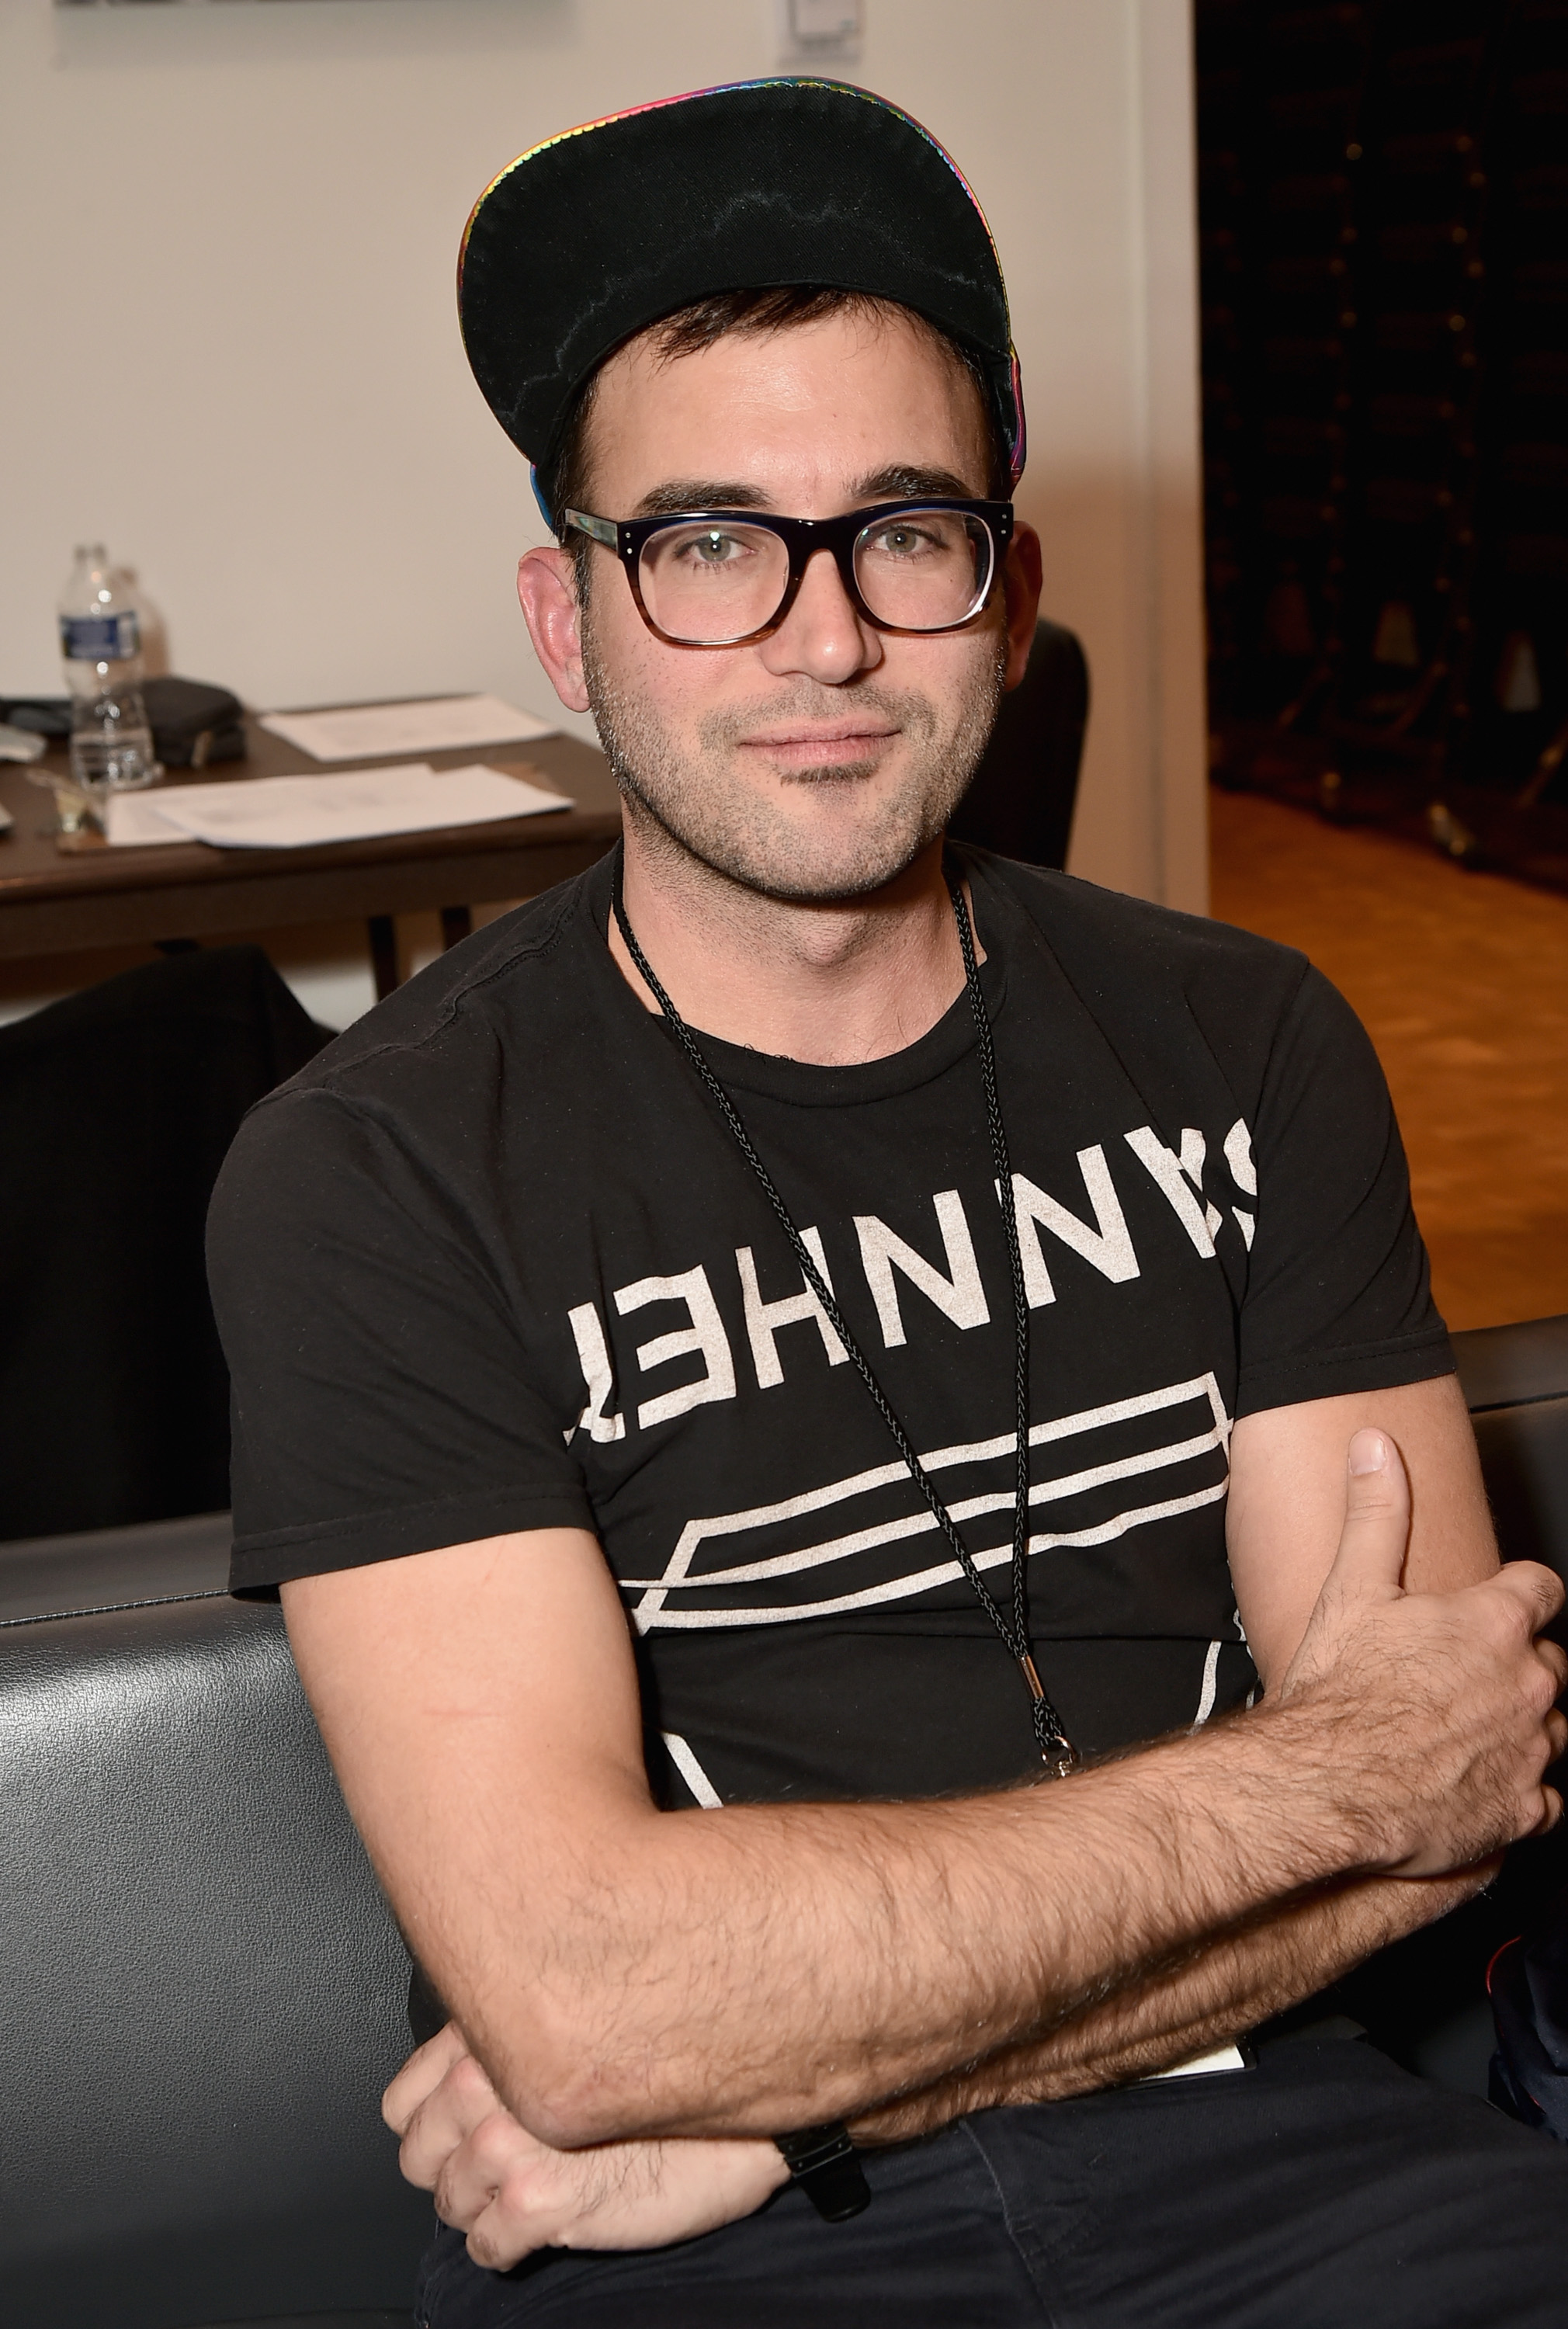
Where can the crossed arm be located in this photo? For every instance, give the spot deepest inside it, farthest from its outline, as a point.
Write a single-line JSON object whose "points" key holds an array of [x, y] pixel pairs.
{"points": [[630, 1980]]}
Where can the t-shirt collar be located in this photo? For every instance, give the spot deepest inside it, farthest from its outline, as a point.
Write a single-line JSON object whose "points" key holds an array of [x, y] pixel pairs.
{"points": [[804, 1083]]}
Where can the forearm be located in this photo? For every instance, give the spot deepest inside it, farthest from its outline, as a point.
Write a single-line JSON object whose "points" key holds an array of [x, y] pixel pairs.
{"points": [[511, 2195], [620, 1971], [762, 1967], [1221, 1991]]}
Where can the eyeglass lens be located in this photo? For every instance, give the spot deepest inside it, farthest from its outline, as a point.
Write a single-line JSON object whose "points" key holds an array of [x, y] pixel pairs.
{"points": [[708, 582]]}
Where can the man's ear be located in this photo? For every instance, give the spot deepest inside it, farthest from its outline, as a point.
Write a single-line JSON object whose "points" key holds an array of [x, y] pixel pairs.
{"points": [[1022, 576], [547, 593]]}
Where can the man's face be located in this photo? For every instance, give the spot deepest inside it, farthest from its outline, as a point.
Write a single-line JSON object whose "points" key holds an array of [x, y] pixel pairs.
{"points": [[820, 761]]}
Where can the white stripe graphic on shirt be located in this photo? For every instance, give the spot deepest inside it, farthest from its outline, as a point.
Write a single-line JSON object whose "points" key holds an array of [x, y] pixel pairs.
{"points": [[652, 1610], [903, 1589], [841, 1548], [1205, 1696], [703, 1790]]}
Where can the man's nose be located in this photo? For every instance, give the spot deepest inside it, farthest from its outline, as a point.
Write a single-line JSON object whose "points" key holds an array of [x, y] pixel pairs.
{"points": [[823, 636]]}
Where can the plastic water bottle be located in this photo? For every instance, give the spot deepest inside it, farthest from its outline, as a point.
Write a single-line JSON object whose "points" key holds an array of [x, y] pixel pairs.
{"points": [[100, 644]]}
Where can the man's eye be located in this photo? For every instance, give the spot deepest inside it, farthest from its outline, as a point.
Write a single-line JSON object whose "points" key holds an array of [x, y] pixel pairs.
{"points": [[901, 541], [711, 548]]}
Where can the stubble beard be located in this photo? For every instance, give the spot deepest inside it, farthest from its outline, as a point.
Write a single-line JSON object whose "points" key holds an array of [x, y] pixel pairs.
{"points": [[687, 801]]}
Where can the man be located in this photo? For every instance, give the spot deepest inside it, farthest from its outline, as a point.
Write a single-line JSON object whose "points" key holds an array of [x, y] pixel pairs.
{"points": [[685, 1249]]}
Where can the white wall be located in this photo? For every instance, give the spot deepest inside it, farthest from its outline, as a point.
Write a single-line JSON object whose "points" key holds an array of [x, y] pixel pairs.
{"points": [[227, 281]]}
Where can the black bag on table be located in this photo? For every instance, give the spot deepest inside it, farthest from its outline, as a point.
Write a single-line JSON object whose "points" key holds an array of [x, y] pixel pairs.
{"points": [[193, 723], [40, 715]]}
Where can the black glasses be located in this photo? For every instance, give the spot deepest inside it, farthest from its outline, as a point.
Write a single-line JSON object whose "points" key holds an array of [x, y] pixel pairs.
{"points": [[725, 578]]}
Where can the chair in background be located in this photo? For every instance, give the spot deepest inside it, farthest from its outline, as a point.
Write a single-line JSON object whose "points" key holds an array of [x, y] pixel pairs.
{"points": [[1021, 801], [116, 1106]]}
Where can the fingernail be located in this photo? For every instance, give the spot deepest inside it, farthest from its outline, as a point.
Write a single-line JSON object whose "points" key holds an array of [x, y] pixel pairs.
{"points": [[1368, 1452]]}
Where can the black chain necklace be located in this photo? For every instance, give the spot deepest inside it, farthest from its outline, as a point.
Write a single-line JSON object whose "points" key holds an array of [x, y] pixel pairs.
{"points": [[1057, 1750]]}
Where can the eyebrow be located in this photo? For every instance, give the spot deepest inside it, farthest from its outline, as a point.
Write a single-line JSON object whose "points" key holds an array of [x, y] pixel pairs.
{"points": [[902, 482], [675, 495]]}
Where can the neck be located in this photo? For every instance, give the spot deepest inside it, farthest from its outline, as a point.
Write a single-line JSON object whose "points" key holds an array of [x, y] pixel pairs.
{"points": [[832, 985]]}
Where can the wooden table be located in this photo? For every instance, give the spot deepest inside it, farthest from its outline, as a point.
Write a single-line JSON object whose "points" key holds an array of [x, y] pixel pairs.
{"points": [[54, 900]]}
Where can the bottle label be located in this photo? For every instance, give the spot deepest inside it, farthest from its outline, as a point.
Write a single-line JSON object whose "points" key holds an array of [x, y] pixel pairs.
{"points": [[99, 638]]}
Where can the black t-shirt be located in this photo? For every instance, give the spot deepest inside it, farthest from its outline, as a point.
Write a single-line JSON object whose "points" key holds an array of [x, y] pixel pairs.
{"points": [[492, 1262]]}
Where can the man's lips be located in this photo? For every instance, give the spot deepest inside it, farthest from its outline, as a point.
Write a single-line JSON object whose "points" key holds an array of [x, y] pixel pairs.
{"points": [[843, 741]]}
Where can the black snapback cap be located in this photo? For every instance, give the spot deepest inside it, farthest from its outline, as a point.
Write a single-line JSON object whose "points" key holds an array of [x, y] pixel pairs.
{"points": [[587, 239]]}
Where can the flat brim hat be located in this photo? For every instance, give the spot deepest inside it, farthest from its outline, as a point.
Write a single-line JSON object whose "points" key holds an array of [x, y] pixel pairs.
{"points": [[591, 237]]}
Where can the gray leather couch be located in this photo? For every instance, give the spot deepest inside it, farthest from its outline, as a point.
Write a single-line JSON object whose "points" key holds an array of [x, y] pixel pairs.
{"points": [[204, 1991]]}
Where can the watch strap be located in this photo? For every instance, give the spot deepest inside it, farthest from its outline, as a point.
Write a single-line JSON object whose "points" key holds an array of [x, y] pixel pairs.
{"points": [[823, 2161]]}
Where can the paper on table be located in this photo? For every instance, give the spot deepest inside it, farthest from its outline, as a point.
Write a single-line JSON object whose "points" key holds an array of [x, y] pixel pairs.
{"points": [[445, 724], [299, 812], [135, 820], [131, 821]]}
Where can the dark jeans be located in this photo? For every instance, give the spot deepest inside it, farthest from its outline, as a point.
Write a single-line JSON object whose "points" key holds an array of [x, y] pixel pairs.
{"points": [[1322, 2188]]}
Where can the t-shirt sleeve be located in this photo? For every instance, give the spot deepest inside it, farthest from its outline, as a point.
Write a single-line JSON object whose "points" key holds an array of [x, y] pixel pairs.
{"points": [[1338, 1291], [381, 1397]]}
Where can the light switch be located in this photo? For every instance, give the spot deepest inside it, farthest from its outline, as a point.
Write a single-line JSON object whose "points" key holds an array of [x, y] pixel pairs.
{"points": [[820, 32]]}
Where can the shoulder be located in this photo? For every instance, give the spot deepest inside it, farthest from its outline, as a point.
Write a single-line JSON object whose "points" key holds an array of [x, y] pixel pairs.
{"points": [[522, 984], [519, 971], [1146, 971], [1110, 938], [415, 1085]]}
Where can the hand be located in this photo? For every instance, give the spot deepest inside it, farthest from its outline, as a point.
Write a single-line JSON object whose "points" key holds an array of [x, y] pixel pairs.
{"points": [[1441, 1704], [511, 2193]]}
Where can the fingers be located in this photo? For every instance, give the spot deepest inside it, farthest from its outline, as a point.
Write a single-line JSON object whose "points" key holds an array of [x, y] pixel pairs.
{"points": [[1539, 1592], [421, 2075], [509, 2191], [1452, 1694], [513, 2194], [1550, 1811], [1372, 1544], [1550, 1815], [448, 2116]]}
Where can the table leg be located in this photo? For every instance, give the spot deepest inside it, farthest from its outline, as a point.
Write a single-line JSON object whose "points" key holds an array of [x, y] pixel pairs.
{"points": [[383, 932], [456, 922]]}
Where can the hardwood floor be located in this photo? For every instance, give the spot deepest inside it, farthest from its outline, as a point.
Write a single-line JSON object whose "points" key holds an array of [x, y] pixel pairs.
{"points": [[1461, 980]]}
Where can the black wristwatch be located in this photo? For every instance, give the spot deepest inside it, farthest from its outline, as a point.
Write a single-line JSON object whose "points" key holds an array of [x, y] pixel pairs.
{"points": [[824, 2162]]}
